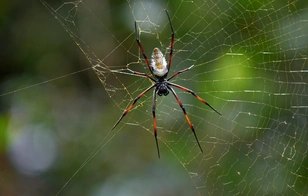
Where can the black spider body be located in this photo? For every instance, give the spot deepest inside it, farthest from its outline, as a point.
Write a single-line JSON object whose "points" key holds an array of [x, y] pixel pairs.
{"points": [[162, 87]]}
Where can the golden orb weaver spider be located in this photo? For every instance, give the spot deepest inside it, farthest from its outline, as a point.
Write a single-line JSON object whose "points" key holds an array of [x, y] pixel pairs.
{"points": [[159, 68]]}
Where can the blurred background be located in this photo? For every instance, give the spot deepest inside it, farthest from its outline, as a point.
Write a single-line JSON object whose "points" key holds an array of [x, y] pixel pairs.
{"points": [[64, 84]]}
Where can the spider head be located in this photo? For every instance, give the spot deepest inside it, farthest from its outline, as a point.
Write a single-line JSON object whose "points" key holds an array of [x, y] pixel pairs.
{"points": [[158, 63]]}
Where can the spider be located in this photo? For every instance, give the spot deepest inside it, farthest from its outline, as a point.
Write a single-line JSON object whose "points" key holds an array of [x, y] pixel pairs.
{"points": [[159, 69]]}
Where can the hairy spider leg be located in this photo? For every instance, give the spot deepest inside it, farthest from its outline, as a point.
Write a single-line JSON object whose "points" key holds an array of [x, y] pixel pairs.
{"points": [[179, 72], [172, 41], [131, 105], [186, 115], [141, 49], [154, 120], [194, 94]]}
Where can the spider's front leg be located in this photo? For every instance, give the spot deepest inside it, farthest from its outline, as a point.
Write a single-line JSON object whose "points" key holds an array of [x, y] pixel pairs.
{"points": [[179, 72], [141, 74]]}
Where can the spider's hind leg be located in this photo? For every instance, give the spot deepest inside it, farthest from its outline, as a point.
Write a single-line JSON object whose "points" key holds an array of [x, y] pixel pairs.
{"points": [[154, 120], [186, 116]]}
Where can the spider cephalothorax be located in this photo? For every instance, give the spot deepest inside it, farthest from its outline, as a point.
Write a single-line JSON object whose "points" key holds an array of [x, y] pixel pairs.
{"points": [[159, 68], [162, 88]]}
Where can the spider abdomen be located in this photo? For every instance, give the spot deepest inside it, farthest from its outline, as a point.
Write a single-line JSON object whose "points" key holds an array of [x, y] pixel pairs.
{"points": [[158, 63]]}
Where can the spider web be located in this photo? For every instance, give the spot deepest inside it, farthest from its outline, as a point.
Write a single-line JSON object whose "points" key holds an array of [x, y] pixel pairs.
{"points": [[250, 63]]}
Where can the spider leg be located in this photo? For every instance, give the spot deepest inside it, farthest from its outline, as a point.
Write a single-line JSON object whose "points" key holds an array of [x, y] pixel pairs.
{"points": [[186, 116], [194, 94], [141, 74], [172, 41], [141, 49], [154, 120], [131, 105], [179, 72]]}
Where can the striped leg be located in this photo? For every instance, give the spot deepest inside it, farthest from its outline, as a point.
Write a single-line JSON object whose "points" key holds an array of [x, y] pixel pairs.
{"points": [[141, 74], [141, 49], [154, 120], [172, 41], [186, 116], [194, 94], [179, 72], [131, 106]]}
